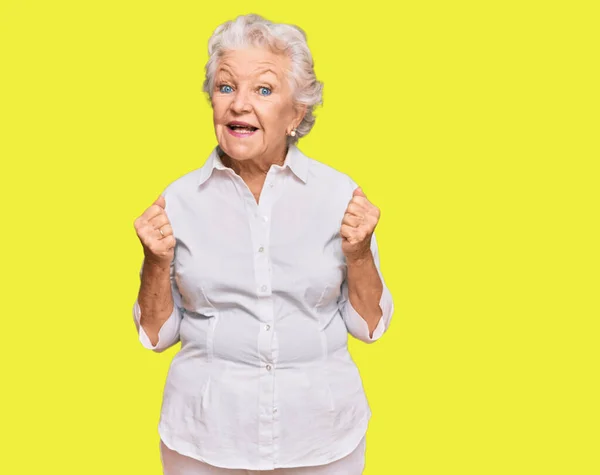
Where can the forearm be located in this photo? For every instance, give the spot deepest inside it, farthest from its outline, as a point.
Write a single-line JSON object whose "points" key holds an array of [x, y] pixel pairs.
{"points": [[154, 298], [365, 289]]}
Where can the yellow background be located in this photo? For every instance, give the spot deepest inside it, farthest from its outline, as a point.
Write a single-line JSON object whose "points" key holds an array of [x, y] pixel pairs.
{"points": [[472, 125]]}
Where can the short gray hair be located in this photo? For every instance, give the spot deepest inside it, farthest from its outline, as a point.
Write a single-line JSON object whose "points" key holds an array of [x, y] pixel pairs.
{"points": [[254, 30]]}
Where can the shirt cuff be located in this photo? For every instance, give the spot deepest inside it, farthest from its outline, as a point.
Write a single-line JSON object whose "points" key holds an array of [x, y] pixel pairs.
{"points": [[168, 334], [357, 325]]}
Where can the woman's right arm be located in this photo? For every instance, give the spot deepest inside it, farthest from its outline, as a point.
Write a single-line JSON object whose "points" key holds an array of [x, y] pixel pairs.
{"points": [[156, 311]]}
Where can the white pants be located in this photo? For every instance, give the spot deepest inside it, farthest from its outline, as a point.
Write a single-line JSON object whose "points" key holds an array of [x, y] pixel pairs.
{"points": [[175, 463]]}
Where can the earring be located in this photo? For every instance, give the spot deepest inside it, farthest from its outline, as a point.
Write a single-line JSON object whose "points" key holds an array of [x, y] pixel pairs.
{"points": [[293, 133]]}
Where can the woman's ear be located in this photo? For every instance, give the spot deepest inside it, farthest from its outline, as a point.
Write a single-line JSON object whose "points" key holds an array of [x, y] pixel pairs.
{"points": [[300, 112]]}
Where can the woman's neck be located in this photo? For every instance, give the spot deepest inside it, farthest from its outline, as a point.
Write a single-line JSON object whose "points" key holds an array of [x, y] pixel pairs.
{"points": [[252, 169]]}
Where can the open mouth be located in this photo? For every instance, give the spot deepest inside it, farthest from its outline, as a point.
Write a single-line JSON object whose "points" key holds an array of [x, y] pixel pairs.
{"points": [[241, 128]]}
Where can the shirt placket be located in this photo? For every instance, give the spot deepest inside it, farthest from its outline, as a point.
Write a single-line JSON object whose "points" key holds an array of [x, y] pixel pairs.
{"points": [[260, 225]]}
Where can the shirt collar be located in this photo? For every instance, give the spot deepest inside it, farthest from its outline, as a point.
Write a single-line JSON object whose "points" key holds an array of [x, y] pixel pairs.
{"points": [[298, 162], [295, 160], [213, 162]]}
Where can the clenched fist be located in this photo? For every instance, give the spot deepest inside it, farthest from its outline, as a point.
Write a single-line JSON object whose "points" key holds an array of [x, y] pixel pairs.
{"points": [[358, 224], [155, 233]]}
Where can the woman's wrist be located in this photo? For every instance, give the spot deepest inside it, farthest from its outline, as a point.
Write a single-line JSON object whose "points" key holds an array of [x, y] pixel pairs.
{"points": [[361, 260]]}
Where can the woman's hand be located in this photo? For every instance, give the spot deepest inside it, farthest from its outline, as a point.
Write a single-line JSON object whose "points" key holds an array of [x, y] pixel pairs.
{"points": [[156, 234], [359, 222]]}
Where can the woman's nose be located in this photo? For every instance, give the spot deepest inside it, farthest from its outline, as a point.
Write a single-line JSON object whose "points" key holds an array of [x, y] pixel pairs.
{"points": [[241, 101]]}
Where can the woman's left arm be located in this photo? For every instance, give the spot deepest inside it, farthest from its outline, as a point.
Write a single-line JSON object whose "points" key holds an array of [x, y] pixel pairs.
{"points": [[366, 304]]}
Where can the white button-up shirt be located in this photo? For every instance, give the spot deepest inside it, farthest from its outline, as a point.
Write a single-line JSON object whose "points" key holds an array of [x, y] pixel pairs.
{"points": [[263, 378]]}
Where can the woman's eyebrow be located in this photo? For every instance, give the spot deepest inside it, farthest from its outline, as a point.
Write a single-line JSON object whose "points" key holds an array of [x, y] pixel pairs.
{"points": [[261, 72], [224, 70]]}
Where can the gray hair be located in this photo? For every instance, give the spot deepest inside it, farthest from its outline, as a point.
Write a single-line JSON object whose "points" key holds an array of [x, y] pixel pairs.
{"points": [[254, 30]]}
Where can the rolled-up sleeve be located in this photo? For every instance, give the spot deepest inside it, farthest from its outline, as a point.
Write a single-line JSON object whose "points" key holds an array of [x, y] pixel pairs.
{"points": [[168, 334], [356, 325]]}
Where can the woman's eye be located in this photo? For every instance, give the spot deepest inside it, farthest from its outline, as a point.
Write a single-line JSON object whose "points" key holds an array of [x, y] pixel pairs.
{"points": [[226, 89], [264, 91]]}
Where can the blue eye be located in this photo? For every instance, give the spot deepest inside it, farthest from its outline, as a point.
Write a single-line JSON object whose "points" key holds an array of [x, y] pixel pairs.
{"points": [[225, 89], [264, 91]]}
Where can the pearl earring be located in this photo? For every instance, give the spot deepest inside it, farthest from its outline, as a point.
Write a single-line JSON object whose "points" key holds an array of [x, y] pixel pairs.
{"points": [[293, 133]]}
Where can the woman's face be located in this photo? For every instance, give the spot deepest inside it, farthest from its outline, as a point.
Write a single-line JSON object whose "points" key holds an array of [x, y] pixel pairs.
{"points": [[252, 104]]}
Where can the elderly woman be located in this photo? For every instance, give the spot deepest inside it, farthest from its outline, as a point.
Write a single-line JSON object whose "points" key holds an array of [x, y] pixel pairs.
{"points": [[261, 262]]}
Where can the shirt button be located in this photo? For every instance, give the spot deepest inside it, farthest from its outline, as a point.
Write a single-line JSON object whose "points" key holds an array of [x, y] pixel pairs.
{"points": [[268, 367], [265, 218], [263, 288], [270, 185], [261, 249], [275, 411], [267, 327]]}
